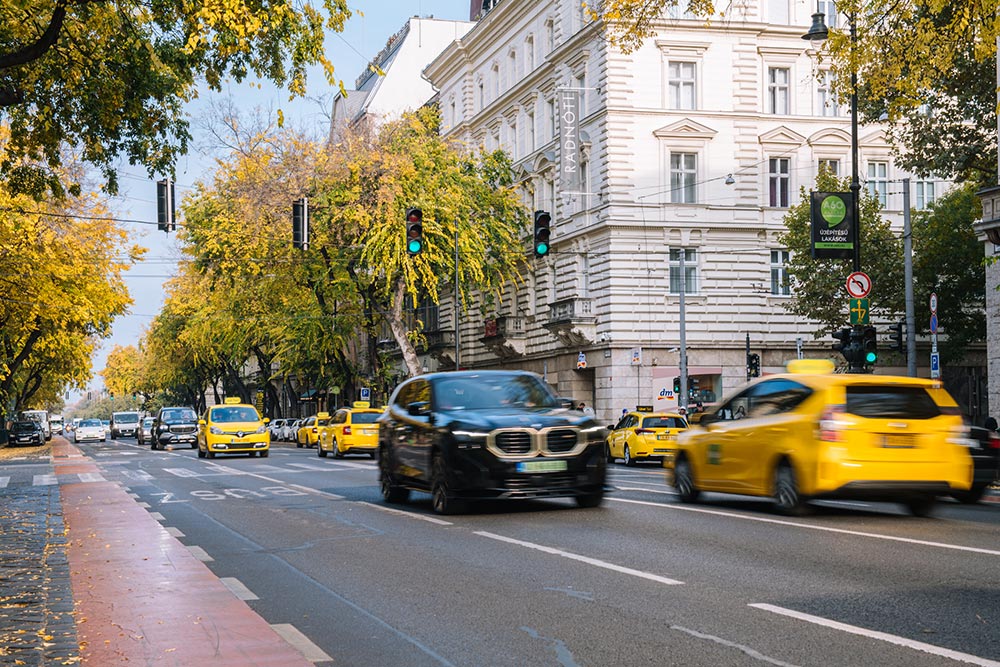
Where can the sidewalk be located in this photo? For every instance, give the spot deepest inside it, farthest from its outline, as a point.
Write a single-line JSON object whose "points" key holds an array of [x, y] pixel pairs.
{"points": [[138, 595]]}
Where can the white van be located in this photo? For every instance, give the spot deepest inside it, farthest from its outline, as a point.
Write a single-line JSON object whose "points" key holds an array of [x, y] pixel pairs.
{"points": [[56, 424], [124, 424]]}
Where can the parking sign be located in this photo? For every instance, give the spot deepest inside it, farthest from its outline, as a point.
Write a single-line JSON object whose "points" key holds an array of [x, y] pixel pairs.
{"points": [[366, 394]]}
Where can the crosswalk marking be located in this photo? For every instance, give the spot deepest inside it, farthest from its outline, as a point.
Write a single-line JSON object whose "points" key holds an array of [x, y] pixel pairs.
{"points": [[91, 477], [183, 472], [139, 475], [309, 466], [3, 481], [45, 480]]}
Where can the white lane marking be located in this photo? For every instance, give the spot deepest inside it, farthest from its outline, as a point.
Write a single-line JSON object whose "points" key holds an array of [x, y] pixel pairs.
{"points": [[412, 515], [44, 480], [883, 636], [739, 647], [301, 643], [134, 496], [4, 481], [263, 467], [144, 506], [645, 490], [173, 532], [200, 554], [827, 529], [354, 466], [157, 516], [91, 477], [583, 559], [228, 470], [183, 472], [322, 494], [309, 466], [237, 588], [138, 475]]}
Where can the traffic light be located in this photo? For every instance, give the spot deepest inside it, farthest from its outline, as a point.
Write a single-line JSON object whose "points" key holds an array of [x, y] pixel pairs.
{"points": [[542, 233], [300, 224], [843, 341], [753, 365], [414, 231], [677, 386], [897, 337], [870, 345], [165, 217]]}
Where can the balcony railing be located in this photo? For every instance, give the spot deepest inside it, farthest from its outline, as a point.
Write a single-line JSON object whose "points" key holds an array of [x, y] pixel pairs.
{"points": [[505, 326]]}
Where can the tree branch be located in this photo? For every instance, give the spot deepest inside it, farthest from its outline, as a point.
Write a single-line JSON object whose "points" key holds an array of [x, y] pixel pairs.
{"points": [[42, 44]]}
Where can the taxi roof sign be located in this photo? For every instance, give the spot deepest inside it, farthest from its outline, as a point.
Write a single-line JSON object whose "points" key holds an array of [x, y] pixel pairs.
{"points": [[644, 408], [322, 415], [361, 404], [811, 366], [233, 401]]}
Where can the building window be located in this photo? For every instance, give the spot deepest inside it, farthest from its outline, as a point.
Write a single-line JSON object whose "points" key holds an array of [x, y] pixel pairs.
{"points": [[512, 66], [777, 90], [690, 271], [829, 9], [453, 113], [777, 12], [826, 101], [515, 141], [495, 72], [683, 175], [925, 194], [878, 181], [832, 167], [529, 53], [681, 85], [480, 91], [550, 113], [778, 181], [531, 131], [779, 273], [581, 84], [550, 35]]}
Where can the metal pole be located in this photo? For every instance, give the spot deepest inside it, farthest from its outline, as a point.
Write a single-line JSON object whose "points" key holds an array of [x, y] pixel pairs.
{"points": [[855, 182], [457, 339], [911, 334], [682, 398], [748, 356]]}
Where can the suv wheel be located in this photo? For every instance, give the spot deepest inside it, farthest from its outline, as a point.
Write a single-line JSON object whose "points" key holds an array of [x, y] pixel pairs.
{"points": [[201, 454], [442, 499], [921, 505], [590, 499], [391, 492]]}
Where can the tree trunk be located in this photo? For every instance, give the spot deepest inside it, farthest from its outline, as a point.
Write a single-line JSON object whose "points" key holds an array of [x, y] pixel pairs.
{"points": [[399, 332]]}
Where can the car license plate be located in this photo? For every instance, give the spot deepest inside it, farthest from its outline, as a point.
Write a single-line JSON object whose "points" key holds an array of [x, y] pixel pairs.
{"points": [[368, 432], [541, 466], [664, 436], [896, 441]]}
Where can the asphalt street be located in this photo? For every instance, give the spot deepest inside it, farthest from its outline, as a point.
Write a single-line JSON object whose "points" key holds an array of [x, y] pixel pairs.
{"points": [[643, 580]]}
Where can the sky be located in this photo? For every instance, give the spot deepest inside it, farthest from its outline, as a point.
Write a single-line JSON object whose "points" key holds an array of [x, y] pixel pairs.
{"points": [[350, 51]]}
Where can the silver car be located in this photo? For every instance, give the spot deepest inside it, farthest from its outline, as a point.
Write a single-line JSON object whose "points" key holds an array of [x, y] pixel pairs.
{"points": [[90, 429]]}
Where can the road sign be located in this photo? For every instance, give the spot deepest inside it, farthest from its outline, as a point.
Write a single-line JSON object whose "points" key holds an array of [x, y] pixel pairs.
{"points": [[581, 360], [859, 285], [637, 356], [335, 390], [366, 394], [859, 311], [934, 322], [935, 365], [933, 302]]}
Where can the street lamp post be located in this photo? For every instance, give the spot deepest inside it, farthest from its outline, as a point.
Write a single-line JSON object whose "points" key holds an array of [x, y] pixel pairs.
{"points": [[818, 33]]}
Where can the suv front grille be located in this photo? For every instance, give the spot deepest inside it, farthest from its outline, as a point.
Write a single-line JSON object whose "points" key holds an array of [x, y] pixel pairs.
{"points": [[560, 440], [513, 442], [181, 430]]}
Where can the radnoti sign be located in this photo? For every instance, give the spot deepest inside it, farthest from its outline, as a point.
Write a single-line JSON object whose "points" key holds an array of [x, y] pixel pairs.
{"points": [[832, 225]]}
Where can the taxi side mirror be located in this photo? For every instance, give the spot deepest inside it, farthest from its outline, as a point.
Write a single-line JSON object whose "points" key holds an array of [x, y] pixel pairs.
{"points": [[267, 420], [201, 422], [611, 427]]}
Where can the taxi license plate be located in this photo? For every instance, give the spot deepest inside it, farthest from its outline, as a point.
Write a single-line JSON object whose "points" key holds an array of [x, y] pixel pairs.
{"points": [[368, 432], [541, 466], [664, 436], [895, 441]]}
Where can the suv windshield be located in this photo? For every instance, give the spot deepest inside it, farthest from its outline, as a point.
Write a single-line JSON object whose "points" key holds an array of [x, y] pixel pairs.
{"points": [[25, 427], [177, 415], [92, 422], [492, 392], [234, 414], [889, 402]]}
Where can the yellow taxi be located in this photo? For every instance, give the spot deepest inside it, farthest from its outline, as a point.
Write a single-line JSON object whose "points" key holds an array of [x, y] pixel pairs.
{"points": [[351, 431], [232, 428], [644, 435], [810, 433], [308, 433]]}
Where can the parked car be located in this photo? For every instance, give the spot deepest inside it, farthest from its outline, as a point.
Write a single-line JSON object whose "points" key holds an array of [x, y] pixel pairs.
{"points": [[275, 428], [813, 433], [56, 424], [232, 428], [291, 430], [144, 435], [351, 430], [175, 426], [124, 424], [482, 435], [91, 429], [984, 447], [641, 436], [26, 432]]}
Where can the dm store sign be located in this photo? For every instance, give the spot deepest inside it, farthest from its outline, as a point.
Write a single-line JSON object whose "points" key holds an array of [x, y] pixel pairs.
{"points": [[832, 225]]}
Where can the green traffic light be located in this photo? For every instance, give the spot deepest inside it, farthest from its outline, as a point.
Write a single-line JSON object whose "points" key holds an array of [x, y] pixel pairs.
{"points": [[541, 249], [414, 246], [871, 357]]}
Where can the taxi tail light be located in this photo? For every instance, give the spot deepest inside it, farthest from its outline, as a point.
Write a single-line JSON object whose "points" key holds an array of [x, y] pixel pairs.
{"points": [[347, 430], [993, 442], [832, 425], [641, 431], [315, 430]]}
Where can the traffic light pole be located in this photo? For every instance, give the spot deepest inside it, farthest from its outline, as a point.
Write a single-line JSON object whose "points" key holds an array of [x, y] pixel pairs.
{"points": [[682, 402], [911, 338], [457, 339]]}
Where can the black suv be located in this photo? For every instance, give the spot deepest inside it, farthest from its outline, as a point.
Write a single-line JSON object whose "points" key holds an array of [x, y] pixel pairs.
{"points": [[26, 432], [175, 426], [481, 435]]}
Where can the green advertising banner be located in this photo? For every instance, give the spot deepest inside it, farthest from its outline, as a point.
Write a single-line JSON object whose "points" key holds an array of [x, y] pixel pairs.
{"points": [[832, 228]]}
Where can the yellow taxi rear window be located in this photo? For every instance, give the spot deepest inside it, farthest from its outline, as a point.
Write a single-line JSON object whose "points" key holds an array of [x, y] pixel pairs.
{"points": [[891, 402], [364, 417], [663, 422]]}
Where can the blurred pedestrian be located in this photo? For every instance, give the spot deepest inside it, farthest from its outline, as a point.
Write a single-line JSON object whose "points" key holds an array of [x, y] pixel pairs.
{"points": [[584, 409]]}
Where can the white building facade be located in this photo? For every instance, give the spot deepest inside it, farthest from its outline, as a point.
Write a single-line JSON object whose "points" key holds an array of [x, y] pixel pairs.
{"points": [[697, 143]]}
